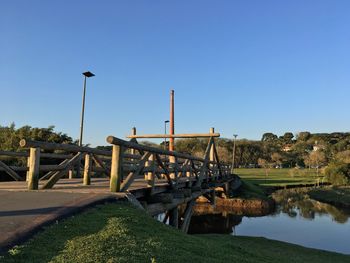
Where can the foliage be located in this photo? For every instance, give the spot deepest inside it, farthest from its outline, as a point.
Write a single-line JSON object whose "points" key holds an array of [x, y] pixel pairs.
{"points": [[10, 136], [338, 173], [121, 233]]}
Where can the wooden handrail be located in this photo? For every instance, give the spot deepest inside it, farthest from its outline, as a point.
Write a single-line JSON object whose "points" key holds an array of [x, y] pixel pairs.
{"points": [[116, 141], [43, 155], [162, 136], [65, 147]]}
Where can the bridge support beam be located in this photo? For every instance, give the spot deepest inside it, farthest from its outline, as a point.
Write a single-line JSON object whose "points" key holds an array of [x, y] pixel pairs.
{"points": [[174, 217]]}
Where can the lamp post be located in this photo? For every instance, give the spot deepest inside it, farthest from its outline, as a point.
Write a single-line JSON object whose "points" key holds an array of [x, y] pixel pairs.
{"points": [[165, 123], [86, 74], [233, 152]]}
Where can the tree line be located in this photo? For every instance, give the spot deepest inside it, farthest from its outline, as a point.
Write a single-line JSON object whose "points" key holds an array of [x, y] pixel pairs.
{"points": [[302, 150]]}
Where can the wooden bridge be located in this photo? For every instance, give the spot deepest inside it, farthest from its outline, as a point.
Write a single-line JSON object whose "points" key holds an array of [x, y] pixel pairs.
{"points": [[157, 180]]}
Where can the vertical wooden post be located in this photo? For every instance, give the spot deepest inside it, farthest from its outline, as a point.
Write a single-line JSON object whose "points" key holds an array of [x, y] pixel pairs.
{"points": [[150, 175], [212, 155], [33, 173], [87, 169], [174, 217], [70, 174], [116, 168], [133, 132], [27, 173]]}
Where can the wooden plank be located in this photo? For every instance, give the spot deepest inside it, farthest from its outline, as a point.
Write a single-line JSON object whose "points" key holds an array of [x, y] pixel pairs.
{"points": [[69, 165], [11, 172], [33, 174], [116, 168], [130, 178]]}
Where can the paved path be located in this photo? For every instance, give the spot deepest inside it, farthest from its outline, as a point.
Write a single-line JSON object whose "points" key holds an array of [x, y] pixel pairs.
{"points": [[22, 212]]}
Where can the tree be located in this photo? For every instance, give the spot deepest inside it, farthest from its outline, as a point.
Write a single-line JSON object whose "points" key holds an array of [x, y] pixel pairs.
{"points": [[343, 156], [276, 159], [303, 136], [264, 164], [287, 138], [317, 159], [269, 137]]}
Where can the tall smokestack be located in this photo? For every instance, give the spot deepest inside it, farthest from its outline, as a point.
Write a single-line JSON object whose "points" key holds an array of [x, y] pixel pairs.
{"points": [[172, 122]]}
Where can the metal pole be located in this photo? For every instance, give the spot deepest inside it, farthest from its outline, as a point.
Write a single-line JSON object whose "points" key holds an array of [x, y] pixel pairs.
{"points": [[233, 152], [82, 114], [172, 124]]}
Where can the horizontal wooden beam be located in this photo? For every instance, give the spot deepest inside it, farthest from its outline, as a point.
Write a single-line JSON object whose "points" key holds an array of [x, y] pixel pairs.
{"points": [[162, 136], [117, 141], [64, 147]]}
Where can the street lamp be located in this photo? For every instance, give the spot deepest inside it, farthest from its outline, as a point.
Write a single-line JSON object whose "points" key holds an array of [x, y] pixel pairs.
{"points": [[165, 122], [86, 74], [233, 152]]}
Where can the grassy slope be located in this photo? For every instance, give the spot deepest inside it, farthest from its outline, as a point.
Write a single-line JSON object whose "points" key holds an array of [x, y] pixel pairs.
{"points": [[338, 196], [276, 177], [121, 233]]}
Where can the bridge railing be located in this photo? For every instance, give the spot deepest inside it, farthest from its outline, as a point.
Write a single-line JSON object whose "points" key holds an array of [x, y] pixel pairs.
{"points": [[94, 160], [154, 164]]}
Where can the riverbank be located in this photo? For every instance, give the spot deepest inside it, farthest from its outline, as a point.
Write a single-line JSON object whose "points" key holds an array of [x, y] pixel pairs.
{"points": [[121, 233]]}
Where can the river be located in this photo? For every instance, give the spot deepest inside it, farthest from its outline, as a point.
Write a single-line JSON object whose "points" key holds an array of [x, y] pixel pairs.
{"points": [[297, 219]]}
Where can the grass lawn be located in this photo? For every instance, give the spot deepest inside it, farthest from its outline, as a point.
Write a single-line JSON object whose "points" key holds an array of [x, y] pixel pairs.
{"points": [[121, 233], [278, 177]]}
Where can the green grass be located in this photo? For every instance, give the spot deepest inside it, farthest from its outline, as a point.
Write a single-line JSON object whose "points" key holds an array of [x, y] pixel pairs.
{"points": [[250, 191], [337, 196], [121, 233], [278, 177]]}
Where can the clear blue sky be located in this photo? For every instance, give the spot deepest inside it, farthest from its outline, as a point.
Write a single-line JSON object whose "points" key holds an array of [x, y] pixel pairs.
{"points": [[244, 67]]}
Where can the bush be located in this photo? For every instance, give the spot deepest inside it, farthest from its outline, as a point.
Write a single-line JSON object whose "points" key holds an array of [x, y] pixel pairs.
{"points": [[338, 173]]}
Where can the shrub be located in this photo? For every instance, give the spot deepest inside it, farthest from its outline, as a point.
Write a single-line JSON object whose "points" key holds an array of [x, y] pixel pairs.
{"points": [[338, 173]]}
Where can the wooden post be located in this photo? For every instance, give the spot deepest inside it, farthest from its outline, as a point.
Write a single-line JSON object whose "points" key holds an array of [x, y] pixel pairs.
{"points": [[116, 168], [133, 132], [70, 174], [174, 217], [33, 173], [27, 173], [150, 175], [212, 154], [87, 169]]}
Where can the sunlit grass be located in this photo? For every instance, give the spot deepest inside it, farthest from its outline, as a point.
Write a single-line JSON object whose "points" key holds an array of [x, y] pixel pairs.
{"points": [[121, 233], [279, 177]]}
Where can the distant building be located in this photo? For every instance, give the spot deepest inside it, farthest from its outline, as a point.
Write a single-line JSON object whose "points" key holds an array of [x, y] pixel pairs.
{"points": [[287, 148]]}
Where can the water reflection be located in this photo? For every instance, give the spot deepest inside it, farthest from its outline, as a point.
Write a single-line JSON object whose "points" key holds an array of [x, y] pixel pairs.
{"points": [[297, 219], [296, 202]]}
